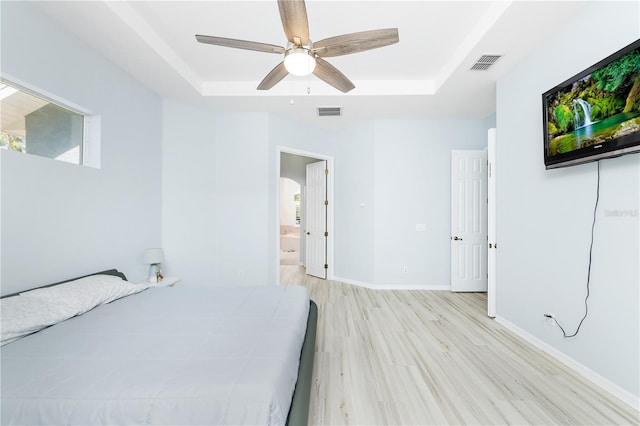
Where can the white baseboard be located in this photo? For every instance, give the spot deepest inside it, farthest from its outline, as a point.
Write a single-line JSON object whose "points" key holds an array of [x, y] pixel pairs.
{"points": [[615, 390], [391, 287]]}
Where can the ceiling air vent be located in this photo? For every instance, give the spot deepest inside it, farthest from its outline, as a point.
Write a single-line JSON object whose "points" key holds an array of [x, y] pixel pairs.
{"points": [[485, 62], [329, 111]]}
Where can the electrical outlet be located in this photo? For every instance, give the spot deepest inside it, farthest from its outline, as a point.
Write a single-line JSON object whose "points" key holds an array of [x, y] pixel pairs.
{"points": [[549, 321], [405, 269]]}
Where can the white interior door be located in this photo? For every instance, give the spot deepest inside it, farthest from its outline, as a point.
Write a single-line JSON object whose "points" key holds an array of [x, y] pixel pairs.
{"points": [[469, 220], [316, 220], [491, 224]]}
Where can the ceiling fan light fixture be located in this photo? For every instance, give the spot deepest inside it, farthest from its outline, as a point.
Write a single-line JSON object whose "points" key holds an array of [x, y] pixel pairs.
{"points": [[299, 61], [301, 56]]}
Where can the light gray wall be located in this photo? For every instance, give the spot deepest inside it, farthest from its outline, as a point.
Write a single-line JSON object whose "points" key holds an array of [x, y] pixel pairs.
{"points": [[216, 206], [189, 192], [352, 151], [412, 186], [61, 220], [544, 217], [389, 175], [490, 121], [245, 210], [354, 202]]}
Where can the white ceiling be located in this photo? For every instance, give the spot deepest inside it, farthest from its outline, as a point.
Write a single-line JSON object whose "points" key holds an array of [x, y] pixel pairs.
{"points": [[425, 75]]}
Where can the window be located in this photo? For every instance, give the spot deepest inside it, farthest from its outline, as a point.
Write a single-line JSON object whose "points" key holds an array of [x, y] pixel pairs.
{"points": [[296, 199], [35, 125]]}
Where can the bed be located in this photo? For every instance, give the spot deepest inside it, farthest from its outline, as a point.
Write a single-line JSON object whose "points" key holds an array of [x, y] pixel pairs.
{"points": [[180, 356]]}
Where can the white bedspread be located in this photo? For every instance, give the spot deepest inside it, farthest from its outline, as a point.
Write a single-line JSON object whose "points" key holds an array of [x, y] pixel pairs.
{"points": [[165, 356]]}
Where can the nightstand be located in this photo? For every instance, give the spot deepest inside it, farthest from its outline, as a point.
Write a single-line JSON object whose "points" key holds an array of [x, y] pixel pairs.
{"points": [[168, 282]]}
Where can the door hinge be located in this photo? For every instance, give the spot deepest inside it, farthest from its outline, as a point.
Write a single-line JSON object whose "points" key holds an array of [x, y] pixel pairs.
{"points": [[326, 234], [326, 171], [326, 266], [326, 202]]}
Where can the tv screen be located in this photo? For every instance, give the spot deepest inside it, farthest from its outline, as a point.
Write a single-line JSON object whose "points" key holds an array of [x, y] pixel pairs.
{"points": [[596, 113]]}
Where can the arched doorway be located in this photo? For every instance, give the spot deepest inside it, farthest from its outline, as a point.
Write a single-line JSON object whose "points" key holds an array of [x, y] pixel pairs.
{"points": [[290, 197]]}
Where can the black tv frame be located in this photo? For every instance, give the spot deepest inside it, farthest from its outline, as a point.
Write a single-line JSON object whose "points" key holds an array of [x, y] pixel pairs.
{"points": [[626, 144]]}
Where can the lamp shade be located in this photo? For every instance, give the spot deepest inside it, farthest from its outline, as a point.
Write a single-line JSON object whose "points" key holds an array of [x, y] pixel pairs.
{"points": [[153, 255]]}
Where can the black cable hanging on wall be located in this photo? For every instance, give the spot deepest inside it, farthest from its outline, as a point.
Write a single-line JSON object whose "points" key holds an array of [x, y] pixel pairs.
{"points": [[586, 306]]}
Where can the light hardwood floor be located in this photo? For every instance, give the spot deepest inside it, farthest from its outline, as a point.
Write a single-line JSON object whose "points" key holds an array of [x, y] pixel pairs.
{"points": [[434, 357]]}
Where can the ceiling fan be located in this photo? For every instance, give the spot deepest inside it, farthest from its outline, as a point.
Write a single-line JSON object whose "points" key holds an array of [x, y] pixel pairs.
{"points": [[301, 56]]}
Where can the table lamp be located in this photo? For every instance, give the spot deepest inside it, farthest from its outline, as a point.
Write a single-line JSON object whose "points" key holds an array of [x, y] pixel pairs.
{"points": [[154, 258]]}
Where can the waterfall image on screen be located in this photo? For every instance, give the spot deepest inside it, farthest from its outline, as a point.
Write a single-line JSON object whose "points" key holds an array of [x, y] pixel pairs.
{"points": [[594, 111]]}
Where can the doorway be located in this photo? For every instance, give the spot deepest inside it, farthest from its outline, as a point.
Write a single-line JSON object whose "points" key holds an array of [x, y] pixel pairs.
{"points": [[292, 239], [473, 222], [290, 219]]}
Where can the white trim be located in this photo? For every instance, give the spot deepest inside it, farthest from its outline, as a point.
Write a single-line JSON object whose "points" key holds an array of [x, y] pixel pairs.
{"points": [[43, 94], [393, 287], [491, 223], [330, 197], [363, 88], [474, 35], [615, 390], [147, 33]]}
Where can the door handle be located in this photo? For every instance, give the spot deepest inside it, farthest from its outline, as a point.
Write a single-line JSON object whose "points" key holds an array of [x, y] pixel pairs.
{"points": [[308, 233], [456, 238]]}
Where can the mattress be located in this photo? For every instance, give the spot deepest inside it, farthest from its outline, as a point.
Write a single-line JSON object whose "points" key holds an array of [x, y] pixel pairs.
{"points": [[164, 356]]}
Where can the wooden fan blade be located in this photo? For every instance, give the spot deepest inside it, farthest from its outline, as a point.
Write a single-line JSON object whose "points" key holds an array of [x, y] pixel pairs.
{"points": [[330, 75], [355, 42], [240, 44], [293, 14], [274, 77]]}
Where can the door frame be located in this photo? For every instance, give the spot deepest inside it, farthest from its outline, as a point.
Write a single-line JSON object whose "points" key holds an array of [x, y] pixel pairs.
{"points": [[330, 210], [491, 224], [316, 214]]}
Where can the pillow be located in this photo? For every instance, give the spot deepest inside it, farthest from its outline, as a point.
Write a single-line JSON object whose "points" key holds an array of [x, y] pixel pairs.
{"points": [[86, 293], [20, 316], [36, 309]]}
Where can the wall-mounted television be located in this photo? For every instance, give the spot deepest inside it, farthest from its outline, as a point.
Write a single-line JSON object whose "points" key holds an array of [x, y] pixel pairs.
{"points": [[596, 113]]}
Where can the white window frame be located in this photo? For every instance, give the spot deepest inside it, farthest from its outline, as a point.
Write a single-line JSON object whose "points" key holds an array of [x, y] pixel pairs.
{"points": [[90, 155]]}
